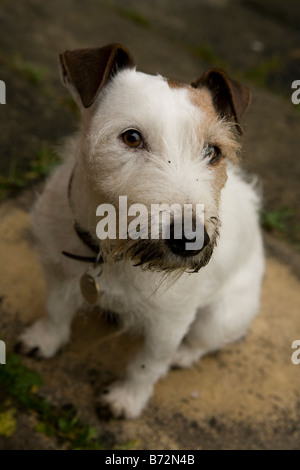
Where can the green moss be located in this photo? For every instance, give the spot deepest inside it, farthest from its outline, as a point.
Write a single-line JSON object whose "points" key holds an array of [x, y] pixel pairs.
{"points": [[19, 381], [26, 69], [22, 384], [276, 220], [44, 163], [133, 16], [206, 53], [8, 423], [37, 76], [131, 445], [260, 73], [283, 224], [29, 71]]}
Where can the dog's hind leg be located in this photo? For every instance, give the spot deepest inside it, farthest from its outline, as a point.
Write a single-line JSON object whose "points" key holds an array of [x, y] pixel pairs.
{"points": [[222, 322], [48, 334]]}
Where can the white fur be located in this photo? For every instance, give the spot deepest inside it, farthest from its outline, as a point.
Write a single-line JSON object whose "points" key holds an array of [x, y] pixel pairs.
{"points": [[186, 317]]}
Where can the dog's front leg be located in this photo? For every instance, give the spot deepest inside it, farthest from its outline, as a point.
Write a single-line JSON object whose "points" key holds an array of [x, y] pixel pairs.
{"points": [[128, 396], [48, 334]]}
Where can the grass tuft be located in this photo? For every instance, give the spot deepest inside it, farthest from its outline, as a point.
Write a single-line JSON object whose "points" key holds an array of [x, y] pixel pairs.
{"points": [[22, 384]]}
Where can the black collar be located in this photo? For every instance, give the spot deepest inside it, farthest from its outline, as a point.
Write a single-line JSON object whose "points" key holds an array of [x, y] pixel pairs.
{"points": [[84, 236], [88, 240]]}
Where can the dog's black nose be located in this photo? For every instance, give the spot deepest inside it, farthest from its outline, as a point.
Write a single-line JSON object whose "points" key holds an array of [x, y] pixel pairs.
{"points": [[180, 246]]}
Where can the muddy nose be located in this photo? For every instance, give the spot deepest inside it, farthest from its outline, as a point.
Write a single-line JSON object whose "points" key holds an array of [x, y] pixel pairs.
{"points": [[180, 246]]}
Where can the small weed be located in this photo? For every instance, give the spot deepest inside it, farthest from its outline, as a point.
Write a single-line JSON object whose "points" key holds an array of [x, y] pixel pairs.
{"points": [[282, 223], [19, 381], [8, 423], [22, 384], [13, 180], [206, 53], [42, 166], [260, 73], [29, 71], [276, 220], [132, 16], [131, 445], [38, 77], [26, 69]]}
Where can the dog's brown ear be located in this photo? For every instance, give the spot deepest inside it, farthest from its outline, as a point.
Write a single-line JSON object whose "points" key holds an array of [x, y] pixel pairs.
{"points": [[88, 70], [230, 98]]}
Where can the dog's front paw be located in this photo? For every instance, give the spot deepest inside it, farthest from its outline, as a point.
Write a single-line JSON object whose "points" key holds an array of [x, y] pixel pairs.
{"points": [[42, 339], [124, 399], [185, 356]]}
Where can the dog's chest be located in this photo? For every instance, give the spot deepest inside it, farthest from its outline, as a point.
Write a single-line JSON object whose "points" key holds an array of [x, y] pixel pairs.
{"points": [[135, 294], [119, 290]]}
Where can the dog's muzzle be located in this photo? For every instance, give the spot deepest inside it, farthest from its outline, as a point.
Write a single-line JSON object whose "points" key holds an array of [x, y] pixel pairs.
{"points": [[179, 246]]}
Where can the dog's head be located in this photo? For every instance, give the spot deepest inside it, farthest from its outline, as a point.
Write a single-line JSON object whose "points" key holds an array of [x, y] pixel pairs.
{"points": [[165, 146]]}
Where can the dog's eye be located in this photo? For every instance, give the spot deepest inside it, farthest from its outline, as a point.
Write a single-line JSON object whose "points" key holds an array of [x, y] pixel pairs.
{"points": [[133, 139], [213, 153]]}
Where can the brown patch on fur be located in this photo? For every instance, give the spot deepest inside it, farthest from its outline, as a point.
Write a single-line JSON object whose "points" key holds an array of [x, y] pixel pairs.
{"points": [[203, 99], [200, 97], [220, 178], [175, 84], [215, 129], [223, 137], [217, 132]]}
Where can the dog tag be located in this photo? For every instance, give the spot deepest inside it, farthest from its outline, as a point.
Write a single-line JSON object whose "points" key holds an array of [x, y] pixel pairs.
{"points": [[89, 288], [88, 283]]}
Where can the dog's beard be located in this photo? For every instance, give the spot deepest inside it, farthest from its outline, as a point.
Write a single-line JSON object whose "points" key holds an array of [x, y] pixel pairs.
{"points": [[155, 255]]}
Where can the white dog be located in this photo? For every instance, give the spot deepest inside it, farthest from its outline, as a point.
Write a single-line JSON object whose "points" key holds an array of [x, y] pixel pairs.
{"points": [[155, 141]]}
